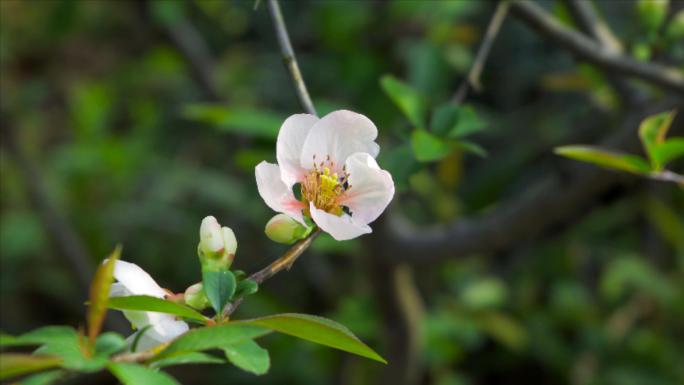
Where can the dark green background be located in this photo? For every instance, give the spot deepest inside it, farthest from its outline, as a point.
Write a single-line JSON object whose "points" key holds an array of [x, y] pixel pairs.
{"points": [[103, 104]]}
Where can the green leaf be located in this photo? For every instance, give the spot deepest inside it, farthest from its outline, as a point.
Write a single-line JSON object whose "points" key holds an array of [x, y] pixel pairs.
{"points": [[607, 159], [99, 294], [503, 329], [468, 123], [668, 151], [44, 335], [652, 13], [132, 374], [652, 131], [65, 342], [316, 329], [44, 378], [484, 293], [633, 274], [249, 356], [219, 286], [471, 147], [16, 364], [409, 101], [213, 337], [246, 287], [189, 358], [427, 147], [240, 120], [455, 121], [73, 352], [148, 303], [444, 119], [109, 343]]}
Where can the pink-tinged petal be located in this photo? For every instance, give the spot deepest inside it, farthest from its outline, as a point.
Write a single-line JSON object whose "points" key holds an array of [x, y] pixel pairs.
{"points": [[371, 189], [338, 135], [277, 195], [341, 227], [291, 139], [135, 280]]}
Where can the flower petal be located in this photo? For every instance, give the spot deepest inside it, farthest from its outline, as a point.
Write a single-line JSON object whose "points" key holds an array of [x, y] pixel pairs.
{"points": [[291, 139], [338, 135], [136, 281], [371, 188], [152, 337], [341, 228], [277, 195]]}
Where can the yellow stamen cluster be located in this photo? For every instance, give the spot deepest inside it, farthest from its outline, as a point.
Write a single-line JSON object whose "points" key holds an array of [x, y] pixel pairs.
{"points": [[324, 188]]}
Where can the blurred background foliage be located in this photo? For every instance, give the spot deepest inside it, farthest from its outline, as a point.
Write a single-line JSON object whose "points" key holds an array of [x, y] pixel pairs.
{"points": [[135, 139]]}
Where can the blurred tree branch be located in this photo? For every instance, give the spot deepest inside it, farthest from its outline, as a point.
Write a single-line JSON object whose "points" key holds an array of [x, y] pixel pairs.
{"points": [[192, 46], [588, 21], [548, 202], [473, 77], [542, 22], [289, 57], [70, 246], [591, 24]]}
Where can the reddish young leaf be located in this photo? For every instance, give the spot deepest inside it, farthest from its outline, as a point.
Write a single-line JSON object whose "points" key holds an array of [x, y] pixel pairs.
{"points": [[99, 294]]}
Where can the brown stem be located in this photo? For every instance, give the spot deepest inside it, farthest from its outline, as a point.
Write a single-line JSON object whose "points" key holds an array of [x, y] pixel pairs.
{"points": [[285, 262]]}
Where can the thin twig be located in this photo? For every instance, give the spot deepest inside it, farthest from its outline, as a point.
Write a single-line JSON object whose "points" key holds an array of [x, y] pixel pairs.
{"points": [[285, 262], [289, 57], [585, 48], [668, 176], [473, 77], [588, 21]]}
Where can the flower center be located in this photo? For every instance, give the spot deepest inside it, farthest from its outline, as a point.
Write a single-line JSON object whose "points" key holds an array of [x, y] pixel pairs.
{"points": [[324, 188]]}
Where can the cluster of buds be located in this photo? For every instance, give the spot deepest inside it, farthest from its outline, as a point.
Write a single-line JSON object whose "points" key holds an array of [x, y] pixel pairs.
{"points": [[217, 244]]}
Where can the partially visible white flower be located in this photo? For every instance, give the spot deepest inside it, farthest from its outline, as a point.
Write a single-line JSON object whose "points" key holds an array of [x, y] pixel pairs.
{"points": [[332, 159], [132, 280]]}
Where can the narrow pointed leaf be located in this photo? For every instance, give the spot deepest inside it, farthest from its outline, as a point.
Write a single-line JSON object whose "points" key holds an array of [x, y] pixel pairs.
{"points": [[99, 294], [16, 364], [316, 329], [607, 159], [132, 374], [213, 337], [154, 304], [44, 335]]}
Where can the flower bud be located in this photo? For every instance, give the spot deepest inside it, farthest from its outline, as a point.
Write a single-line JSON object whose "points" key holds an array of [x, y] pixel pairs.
{"points": [[217, 244], [195, 297], [211, 239], [283, 229], [229, 241]]}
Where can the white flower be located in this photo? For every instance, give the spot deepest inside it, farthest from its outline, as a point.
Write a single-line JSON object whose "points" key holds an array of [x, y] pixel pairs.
{"points": [[132, 280], [332, 160]]}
